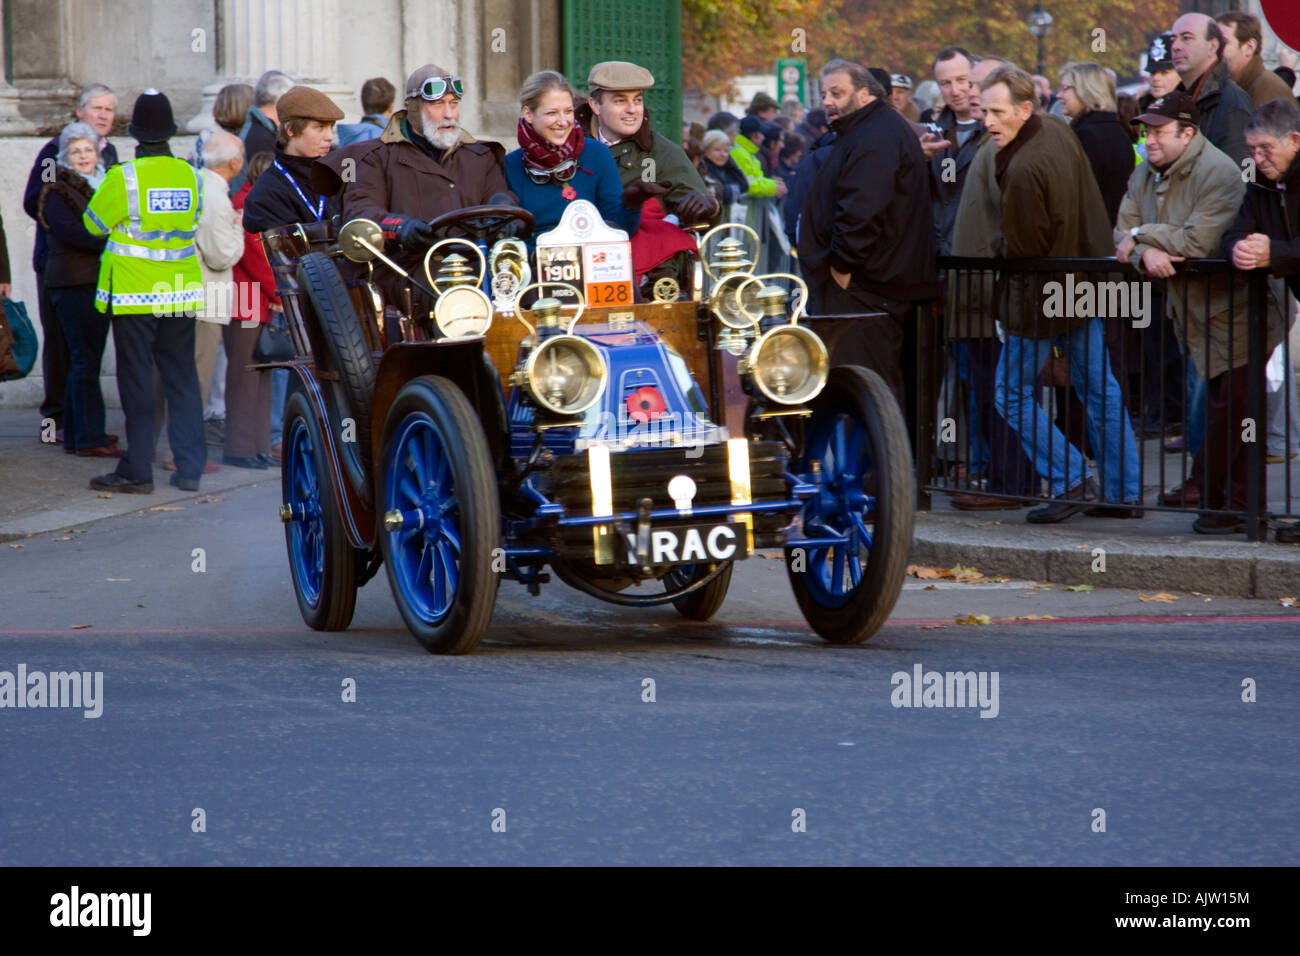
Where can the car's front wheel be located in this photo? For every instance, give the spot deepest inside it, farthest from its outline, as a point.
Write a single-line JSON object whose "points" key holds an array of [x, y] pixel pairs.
{"points": [[442, 517]]}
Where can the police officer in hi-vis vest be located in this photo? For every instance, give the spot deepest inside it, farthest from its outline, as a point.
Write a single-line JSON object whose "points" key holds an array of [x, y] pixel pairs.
{"points": [[151, 285]]}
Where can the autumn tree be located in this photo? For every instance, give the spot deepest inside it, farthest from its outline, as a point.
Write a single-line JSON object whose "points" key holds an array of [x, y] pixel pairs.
{"points": [[723, 39]]}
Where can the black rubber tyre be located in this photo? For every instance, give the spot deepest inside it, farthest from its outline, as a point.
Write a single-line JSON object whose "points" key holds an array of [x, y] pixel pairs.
{"points": [[342, 339], [435, 461], [857, 399], [322, 562], [706, 602]]}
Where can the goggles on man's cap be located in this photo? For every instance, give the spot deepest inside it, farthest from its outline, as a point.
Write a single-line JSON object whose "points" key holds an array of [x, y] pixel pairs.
{"points": [[436, 87]]}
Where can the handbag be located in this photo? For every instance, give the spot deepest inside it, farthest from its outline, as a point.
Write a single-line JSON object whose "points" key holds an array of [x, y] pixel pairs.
{"points": [[18, 343], [273, 344]]}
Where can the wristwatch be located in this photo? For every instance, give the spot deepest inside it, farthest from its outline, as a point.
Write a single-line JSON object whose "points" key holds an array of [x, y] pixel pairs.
{"points": [[1133, 233]]}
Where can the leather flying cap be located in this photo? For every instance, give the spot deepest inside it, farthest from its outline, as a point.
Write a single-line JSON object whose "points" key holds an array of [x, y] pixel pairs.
{"points": [[417, 78], [151, 118], [1160, 55], [1172, 106], [303, 102], [619, 75]]}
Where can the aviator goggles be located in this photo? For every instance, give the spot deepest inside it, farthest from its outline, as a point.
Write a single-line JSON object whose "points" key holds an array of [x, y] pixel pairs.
{"points": [[436, 87]]}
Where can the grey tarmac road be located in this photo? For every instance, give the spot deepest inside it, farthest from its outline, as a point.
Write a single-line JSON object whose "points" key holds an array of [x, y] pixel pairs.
{"points": [[216, 696]]}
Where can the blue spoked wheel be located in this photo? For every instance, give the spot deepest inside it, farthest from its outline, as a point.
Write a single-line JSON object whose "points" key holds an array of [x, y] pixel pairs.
{"points": [[321, 559], [438, 483], [855, 449]]}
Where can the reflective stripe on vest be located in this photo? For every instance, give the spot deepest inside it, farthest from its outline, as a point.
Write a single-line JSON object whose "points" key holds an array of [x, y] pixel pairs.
{"points": [[133, 229], [143, 252], [122, 299], [99, 223]]}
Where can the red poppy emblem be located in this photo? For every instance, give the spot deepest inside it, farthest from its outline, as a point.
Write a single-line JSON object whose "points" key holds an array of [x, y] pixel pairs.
{"points": [[569, 193], [645, 404]]}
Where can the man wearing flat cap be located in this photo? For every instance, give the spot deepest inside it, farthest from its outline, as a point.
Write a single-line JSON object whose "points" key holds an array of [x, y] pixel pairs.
{"points": [[284, 195], [615, 113], [423, 165]]}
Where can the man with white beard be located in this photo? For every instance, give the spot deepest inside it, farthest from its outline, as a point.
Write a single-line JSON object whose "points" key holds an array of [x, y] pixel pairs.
{"points": [[423, 165]]}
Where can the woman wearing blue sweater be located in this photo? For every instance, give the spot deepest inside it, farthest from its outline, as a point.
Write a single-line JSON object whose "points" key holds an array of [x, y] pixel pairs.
{"points": [[556, 164]]}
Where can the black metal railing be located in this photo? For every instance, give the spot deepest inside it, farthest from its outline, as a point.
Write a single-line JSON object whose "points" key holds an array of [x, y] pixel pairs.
{"points": [[1083, 378]]}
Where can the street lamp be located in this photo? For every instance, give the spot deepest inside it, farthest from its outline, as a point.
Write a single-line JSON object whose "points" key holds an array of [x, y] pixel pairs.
{"points": [[1039, 22]]}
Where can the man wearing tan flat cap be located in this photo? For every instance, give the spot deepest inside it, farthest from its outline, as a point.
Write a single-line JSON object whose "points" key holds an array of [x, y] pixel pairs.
{"points": [[615, 113]]}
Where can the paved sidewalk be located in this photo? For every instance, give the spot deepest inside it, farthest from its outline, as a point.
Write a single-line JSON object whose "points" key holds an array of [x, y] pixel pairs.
{"points": [[1159, 551], [42, 489]]}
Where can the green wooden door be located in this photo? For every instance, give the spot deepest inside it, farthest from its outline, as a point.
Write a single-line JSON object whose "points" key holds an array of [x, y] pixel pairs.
{"points": [[645, 32]]}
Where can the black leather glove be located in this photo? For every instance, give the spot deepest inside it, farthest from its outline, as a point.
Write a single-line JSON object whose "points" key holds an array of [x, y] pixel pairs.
{"points": [[695, 208], [407, 231], [638, 191]]}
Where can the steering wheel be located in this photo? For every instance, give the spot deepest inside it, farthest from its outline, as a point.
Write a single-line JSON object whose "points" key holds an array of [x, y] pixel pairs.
{"points": [[480, 221]]}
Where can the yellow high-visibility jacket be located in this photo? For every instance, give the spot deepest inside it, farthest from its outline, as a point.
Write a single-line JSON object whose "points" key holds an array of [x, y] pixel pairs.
{"points": [[149, 209]]}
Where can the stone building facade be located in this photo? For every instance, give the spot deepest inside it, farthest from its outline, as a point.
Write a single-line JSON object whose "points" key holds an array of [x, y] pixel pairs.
{"points": [[189, 49]]}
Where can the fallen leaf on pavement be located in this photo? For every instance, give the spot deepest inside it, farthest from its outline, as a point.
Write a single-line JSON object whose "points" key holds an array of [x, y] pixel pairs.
{"points": [[167, 508], [928, 587], [1035, 617], [974, 619], [1164, 597], [934, 627], [1079, 587], [80, 627], [209, 500], [107, 494], [77, 531], [958, 572], [117, 579], [15, 545], [965, 575], [1286, 601], [66, 537]]}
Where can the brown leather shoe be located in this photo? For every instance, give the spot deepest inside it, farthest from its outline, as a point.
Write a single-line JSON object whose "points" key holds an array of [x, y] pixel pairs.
{"points": [[1186, 496], [104, 451], [968, 502]]}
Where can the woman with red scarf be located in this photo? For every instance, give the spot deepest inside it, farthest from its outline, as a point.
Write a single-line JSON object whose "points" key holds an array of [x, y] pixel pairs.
{"points": [[556, 164]]}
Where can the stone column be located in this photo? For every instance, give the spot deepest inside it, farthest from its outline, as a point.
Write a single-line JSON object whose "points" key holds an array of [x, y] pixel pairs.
{"points": [[300, 37], [11, 122]]}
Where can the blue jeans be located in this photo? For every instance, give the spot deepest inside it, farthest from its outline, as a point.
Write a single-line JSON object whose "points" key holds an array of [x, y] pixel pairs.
{"points": [[279, 388], [1195, 426], [1109, 429], [978, 452]]}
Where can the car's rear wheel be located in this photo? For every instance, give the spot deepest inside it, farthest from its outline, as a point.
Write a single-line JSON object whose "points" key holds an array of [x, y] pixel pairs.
{"points": [[702, 604], [322, 561]]}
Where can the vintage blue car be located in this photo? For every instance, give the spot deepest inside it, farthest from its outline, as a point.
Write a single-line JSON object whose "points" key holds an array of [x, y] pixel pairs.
{"points": [[637, 449]]}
